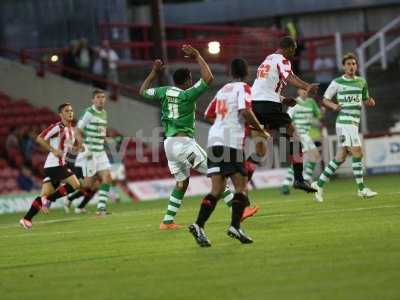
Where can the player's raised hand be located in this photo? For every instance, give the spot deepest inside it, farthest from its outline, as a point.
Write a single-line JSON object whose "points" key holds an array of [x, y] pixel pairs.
{"points": [[158, 66], [312, 88], [190, 51]]}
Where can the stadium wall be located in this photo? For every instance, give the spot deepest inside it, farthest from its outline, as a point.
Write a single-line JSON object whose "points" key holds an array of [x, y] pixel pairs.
{"points": [[125, 115]]}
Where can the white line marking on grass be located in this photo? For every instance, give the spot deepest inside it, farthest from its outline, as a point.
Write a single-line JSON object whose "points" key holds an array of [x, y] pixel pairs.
{"points": [[328, 211], [16, 224]]}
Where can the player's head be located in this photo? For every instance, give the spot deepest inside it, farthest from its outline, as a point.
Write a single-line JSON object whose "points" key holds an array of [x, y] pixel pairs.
{"points": [[349, 62], [183, 78], [99, 99], [288, 46], [239, 69], [302, 93], [66, 112]]}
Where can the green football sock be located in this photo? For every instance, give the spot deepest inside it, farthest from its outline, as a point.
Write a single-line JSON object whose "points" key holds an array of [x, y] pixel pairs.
{"points": [[330, 169], [175, 202], [357, 166]]}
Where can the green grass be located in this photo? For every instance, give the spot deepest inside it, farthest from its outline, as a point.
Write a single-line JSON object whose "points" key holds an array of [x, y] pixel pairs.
{"points": [[344, 248]]}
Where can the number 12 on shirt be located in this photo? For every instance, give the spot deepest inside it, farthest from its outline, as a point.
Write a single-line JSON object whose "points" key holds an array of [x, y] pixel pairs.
{"points": [[262, 71]]}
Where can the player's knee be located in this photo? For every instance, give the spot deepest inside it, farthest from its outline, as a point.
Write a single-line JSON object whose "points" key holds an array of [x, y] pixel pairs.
{"points": [[240, 199], [182, 185], [357, 152]]}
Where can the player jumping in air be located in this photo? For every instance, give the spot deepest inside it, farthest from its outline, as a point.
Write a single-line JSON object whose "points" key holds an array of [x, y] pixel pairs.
{"points": [[303, 115], [226, 153], [272, 75], [57, 139], [351, 93], [178, 120]]}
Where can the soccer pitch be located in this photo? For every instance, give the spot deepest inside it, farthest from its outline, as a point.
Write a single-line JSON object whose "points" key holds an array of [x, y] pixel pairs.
{"points": [[343, 248]]}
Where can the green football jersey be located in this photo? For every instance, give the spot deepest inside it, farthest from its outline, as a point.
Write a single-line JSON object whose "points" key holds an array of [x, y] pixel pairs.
{"points": [[350, 94], [178, 107], [93, 123], [303, 115]]}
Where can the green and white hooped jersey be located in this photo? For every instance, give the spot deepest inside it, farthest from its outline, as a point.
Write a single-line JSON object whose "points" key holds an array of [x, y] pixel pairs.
{"points": [[350, 94], [303, 115], [93, 123]]}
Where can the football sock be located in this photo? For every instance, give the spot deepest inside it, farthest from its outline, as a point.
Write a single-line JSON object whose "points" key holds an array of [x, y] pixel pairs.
{"points": [[207, 207], [103, 196], [77, 194], [297, 160], [35, 208], [175, 202], [330, 169], [309, 171], [289, 177], [88, 195], [62, 191], [239, 203], [227, 196], [357, 166]]}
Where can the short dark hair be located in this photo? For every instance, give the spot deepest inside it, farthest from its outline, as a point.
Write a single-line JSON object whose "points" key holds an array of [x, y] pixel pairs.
{"points": [[62, 106], [287, 42], [181, 75], [96, 92], [349, 55], [239, 68]]}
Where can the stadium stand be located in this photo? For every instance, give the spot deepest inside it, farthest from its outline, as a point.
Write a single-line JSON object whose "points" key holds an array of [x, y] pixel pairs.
{"points": [[27, 118]]}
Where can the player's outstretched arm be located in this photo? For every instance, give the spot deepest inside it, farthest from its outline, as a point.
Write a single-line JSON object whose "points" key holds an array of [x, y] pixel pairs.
{"points": [[252, 120], [158, 66], [331, 105], [311, 88], [205, 71], [46, 145]]}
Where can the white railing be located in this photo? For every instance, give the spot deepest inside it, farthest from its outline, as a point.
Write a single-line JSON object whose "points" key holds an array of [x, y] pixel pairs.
{"points": [[364, 62], [384, 48]]}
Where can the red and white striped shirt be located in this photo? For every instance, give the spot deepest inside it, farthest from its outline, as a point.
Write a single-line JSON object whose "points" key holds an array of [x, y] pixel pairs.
{"points": [[60, 137]]}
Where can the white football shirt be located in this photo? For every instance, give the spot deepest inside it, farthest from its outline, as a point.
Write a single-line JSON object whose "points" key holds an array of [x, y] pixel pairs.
{"points": [[229, 126], [271, 78]]}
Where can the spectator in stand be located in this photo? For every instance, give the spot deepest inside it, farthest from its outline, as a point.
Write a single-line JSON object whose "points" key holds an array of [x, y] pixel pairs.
{"points": [[12, 141], [324, 69], [85, 56], [25, 180], [111, 58], [99, 68], [28, 145], [70, 60]]}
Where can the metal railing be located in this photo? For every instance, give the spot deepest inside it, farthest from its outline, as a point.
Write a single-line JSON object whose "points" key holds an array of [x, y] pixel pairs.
{"points": [[364, 63], [384, 48]]}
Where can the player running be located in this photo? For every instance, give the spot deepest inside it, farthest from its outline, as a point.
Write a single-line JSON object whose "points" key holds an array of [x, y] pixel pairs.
{"points": [[178, 119], [58, 139], [272, 75], [303, 115], [226, 153], [351, 93], [260, 150], [94, 161]]}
